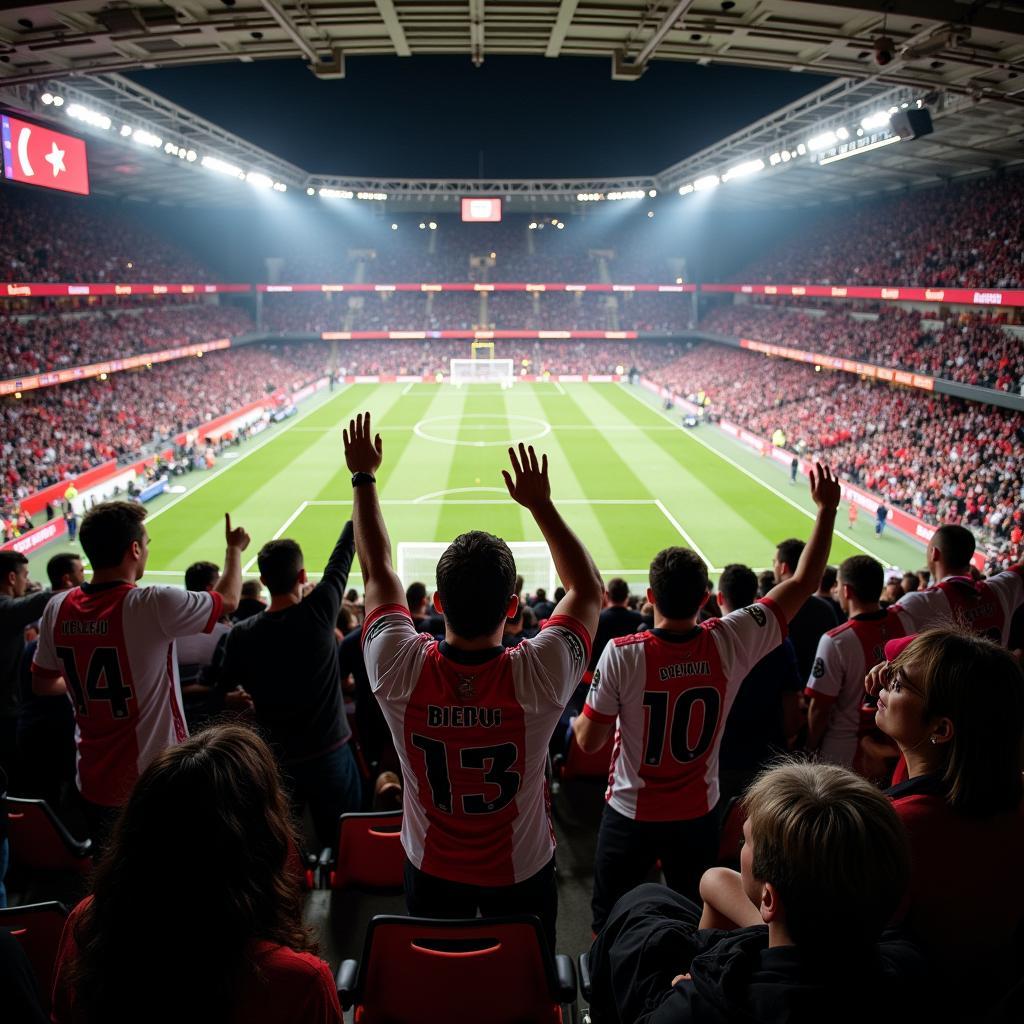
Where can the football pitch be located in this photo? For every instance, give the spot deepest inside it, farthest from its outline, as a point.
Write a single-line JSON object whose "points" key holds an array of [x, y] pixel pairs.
{"points": [[626, 476]]}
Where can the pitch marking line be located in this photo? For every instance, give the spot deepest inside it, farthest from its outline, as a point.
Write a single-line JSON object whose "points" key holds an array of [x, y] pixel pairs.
{"points": [[747, 472], [241, 458], [682, 533], [288, 522]]}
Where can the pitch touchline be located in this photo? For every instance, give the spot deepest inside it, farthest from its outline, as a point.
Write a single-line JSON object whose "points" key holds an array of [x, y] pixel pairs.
{"points": [[746, 472]]}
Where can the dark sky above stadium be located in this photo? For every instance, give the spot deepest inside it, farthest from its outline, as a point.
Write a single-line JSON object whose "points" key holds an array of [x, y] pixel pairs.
{"points": [[512, 117]]}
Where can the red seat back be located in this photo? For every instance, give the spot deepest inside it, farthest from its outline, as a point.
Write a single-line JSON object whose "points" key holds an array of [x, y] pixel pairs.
{"points": [[38, 928], [370, 854], [580, 765], [438, 972], [40, 842]]}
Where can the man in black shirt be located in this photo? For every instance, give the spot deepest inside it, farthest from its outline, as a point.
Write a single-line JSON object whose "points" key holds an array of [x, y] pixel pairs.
{"points": [[46, 724], [18, 609], [286, 658], [813, 620], [767, 707], [618, 619]]}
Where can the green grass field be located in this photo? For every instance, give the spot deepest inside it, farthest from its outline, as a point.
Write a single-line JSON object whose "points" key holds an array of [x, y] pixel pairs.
{"points": [[627, 478]]}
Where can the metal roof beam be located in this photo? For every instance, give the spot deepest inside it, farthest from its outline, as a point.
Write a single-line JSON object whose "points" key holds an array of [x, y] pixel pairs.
{"points": [[566, 10], [389, 16]]}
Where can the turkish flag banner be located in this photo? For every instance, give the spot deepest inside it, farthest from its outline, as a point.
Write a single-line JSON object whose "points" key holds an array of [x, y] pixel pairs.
{"points": [[39, 156]]}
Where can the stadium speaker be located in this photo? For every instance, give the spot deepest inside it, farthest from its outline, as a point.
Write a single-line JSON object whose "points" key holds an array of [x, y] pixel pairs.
{"points": [[911, 124]]}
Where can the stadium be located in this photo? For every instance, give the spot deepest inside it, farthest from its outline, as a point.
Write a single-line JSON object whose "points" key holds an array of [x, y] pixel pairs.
{"points": [[673, 654]]}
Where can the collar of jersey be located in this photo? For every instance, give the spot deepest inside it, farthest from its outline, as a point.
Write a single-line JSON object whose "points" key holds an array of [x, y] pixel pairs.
{"points": [[469, 657], [870, 616], [97, 588], [676, 638], [931, 784]]}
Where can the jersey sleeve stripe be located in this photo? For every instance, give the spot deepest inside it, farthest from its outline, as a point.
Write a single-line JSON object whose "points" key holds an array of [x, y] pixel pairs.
{"points": [[568, 622], [216, 612], [598, 716], [783, 625], [379, 612]]}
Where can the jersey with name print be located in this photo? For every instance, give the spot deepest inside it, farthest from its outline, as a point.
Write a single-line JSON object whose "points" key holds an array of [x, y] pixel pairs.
{"points": [[471, 729], [845, 656], [670, 694], [114, 645], [984, 607]]}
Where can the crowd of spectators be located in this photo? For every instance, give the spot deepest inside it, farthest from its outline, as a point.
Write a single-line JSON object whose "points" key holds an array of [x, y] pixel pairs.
{"points": [[34, 343], [962, 235], [299, 313], [936, 457], [971, 348], [63, 239], [53, 433]]}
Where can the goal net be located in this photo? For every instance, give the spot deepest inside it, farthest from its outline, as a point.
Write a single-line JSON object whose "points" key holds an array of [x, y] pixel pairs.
{"points": [[417, 563], [482, 371]]}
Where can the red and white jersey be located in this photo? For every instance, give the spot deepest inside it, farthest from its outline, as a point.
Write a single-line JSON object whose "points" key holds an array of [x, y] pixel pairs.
{"points": [[671, 694], [472, 730], [985, 608], [845, 655], [114, 645]]}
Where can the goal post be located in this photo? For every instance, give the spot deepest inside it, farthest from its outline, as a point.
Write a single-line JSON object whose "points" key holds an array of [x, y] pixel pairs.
{"points": [[482, 371], [417, 563]]}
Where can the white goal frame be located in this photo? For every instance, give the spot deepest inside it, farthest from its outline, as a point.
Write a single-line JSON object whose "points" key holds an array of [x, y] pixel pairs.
{"points": [[481, 371], [431, 551]]}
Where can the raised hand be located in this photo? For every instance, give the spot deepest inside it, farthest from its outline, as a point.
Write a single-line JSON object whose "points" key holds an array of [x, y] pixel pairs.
{"points": [[362, 455], [237, 537], [531, 487], [825, 488]]}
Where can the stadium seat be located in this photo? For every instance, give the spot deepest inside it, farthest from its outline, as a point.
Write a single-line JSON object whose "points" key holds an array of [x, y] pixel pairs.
{"points": [[495, 969], [40, 842], [38, 927], [575, 764], [369, 853], [732, 832]]}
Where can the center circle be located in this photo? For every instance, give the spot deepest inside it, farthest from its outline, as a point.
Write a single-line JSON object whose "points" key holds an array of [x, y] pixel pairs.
{"points": [[468, 429]]}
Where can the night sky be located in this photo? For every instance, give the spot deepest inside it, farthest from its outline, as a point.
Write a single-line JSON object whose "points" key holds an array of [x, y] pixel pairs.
{"points": [[440, 116]]}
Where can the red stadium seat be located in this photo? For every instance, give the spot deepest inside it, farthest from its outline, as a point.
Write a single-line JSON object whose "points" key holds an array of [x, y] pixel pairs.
{"points": [[369, 853], [424, 971], [40, 842], [38, 928], [575, 764]]}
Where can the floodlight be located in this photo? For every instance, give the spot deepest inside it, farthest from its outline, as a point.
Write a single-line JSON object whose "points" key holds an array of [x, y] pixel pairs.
{"points": [[880, 119], [706, 182], [822, 141], [744, 169], [259, 179]]}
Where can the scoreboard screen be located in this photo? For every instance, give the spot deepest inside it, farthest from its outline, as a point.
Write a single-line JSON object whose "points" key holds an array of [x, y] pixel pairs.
{"points": [[481, 209]]}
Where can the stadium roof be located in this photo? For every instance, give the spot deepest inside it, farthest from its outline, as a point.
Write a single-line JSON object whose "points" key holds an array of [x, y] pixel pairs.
{"points": [[962, 60]]}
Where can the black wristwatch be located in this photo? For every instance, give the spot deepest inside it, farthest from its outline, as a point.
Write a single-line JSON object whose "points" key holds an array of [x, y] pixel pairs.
{"points": [[358, 479]]}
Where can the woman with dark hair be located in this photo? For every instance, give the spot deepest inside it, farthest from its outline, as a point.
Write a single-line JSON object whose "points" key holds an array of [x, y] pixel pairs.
{"points": [[195, 915], [954, 704]]}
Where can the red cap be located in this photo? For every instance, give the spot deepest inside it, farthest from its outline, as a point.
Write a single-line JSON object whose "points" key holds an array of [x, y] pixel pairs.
{"points": [[894, 648]]}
